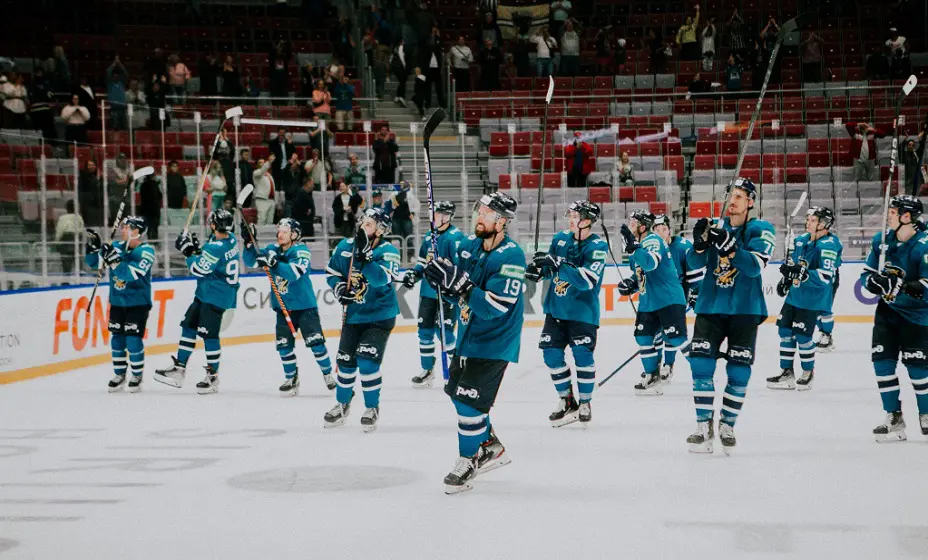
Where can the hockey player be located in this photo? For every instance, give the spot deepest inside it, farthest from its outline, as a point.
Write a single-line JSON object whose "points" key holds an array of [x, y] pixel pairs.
{"points": [[361, 272], [215, 265], [901, 321], [574, 265], [288, 260], [807, 281], [679, 246], [661, 301], [826, 321], [448, 239], [130, 263], [730, 307], [487, 277]]}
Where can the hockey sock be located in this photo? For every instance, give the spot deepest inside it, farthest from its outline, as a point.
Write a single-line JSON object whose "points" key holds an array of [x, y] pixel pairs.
{"points": [[659, 347], [586, 372], [321, 353], [427, 347], [703, 387], [806, 352], [118, 347], [370, 382], [473, 428], [888, 383], [826, 323], [671, 347], [136, 354], [288, 359], [787, 348], [650, 358], [213, 353], [557, 367], [344, 389], [735, 391], [188, 341], [919, 377]]}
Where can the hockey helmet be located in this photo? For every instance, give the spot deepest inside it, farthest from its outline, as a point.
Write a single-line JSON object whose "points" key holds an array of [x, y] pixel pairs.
{"points": [[292, 226], [907, 203], [643, 217], [381, 218], [745, 185], [137, 223], [825, 215], [586, 209], [222, 220]]}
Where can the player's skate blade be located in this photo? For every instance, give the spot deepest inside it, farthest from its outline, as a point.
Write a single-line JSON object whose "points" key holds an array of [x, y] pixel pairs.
{"points": [[649, 385], [424, 379], [461, 478], [116, 384], [336, 416], [369, 419], [290, 387], [826, 344], [785, 381], [135, 384], [172, 376], [585, 414], [567, 412], [804, 383], [702, 440], [329, 379], [727, 438], [923, 420], [666, 373], [892, 430], [209, 385], [492, 455]]}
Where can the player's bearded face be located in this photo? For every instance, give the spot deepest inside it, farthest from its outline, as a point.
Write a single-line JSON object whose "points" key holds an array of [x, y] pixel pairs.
{"points": [[369, 226], [486, 222], [738, 202]]}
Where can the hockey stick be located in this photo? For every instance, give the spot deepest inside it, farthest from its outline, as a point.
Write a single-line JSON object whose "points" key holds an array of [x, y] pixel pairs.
{"points": [[906, 90], [630, 301], [136, 175], [231, 113], [790, 236], [618, 369], [430, 126], [242, 197], [544, 146]]}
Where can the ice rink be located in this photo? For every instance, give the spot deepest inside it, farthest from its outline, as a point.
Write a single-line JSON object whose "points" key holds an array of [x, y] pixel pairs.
{"points": [[245, 474]]}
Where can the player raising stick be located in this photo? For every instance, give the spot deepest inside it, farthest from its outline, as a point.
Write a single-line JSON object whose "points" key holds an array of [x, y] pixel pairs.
{"points": [[361, 272], [487, 277], [448, 240], [730, 306], [130, 263], [288, 260], [679, 246], [807, 286], [216, 267], [574, 263]]}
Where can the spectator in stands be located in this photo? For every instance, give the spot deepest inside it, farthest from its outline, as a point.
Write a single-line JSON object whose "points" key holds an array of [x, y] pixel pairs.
{"points": [[75, 117], [231, 80], [156, 69], [570, 49], [345, 208], [61, 72], [68, 227], [209, 74], [911, 159], [383, 29], [282, 147], [116, 76], [15, 99], [697, 86], [250, 87], [899, 66], [385, 150], [489, 58], [521, 51], [489, 29], [708, 36], [405, 207], [737, 41], [246, 170], [40, 105], [686, 38], [90, 194], [216, 186], [896, 43], [560, 14], [343, 93], [812, 58], [322, 100], [320, 170], [510, 70], [177, 195], [308, 77], [291, 181], [224, 155], [422, 22], [88, 99], [420, 91], [620, 56], [278, 61], [335, 69], [460, 57], [733, 75], [319, 136], [380, 66], [579, 161], [355, 174], [863, 149], [605, 37], [150, 204], [399, 67], [624, 172], [878, 63], [117, 178], [544, 45], [178, 76], [433, 70], [157, 100], [303, 208], [769, 34], [377, 201], [342, 40], [264, 191], [135, 96]]}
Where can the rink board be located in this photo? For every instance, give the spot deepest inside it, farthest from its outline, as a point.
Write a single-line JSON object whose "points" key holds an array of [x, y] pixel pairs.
{"points": [[46, 331]]}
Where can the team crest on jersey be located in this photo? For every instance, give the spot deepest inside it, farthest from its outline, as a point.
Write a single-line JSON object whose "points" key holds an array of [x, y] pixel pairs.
{"points": [[119, 283], [283, 285], [642, 280], [357, 280], [465, 313], [725, 274], [560, 286], [797, 281]]}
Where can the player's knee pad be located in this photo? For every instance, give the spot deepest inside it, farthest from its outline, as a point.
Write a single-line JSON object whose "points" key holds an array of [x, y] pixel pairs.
{"points": [[702, 367], [554, 357], [345, 361], [702, 348], [740, 355], [426, 336], [134, 344], [914, 357], [118, 342], [738, 374], [583, 356], [286, 352], [884, 367], [675, 343], [314, 339], [284, 341], [645, 344], [319, 350]]}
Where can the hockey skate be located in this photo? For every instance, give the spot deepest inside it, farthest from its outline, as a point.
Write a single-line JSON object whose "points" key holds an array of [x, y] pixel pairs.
{"points": [[336, 416], [492, 455], [461, 478], [369, 419], [210, 383], [424, 379], [329, 379], [666, 373], [135, 384], [650, 384], [786, 380], [173, 376], [804, 383], [825, 344], [291, 387], [566, 412], [923, 421], [703, 439], [892, 430], [117, 383], [585, 413], [727, 437]]}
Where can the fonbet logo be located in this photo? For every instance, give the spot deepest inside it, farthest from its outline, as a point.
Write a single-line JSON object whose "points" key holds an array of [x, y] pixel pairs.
{"points": [[469, 393], [71, 318]]}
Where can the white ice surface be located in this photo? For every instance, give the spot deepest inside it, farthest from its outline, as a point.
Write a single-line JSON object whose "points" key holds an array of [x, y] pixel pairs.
{"points": [[256, 476]]}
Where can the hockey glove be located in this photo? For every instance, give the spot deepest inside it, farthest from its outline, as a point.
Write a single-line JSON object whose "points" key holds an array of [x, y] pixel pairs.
{"points": [[187, 244], [93, 242], [363, 248], [531, 273], [914, 288], [790, 271], [447, 277], [631, 244], [412, 276], [628, 286], [700, 237], [546, 263], [249, 234], [783, 286], [887, 287], [111, 256], [723, 241], [267, 261]]}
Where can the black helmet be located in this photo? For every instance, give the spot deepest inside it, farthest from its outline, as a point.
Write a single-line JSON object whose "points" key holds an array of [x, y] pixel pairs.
{"points": [[643, 217], [663, 219], [382, 218], [445, 207], [501, 203], [825, 215], [292, 225], [586, 209], [136, 223], [907, 203], [222, 219], [745, 185]]}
